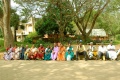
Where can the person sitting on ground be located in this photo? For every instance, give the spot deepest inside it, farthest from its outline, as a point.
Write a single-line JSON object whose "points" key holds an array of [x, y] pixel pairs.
{"points": [[48, 52], [102, 52], [111, 51], [92, 52], [81, 50], [61, 52], [69, 53], [54, 52]]}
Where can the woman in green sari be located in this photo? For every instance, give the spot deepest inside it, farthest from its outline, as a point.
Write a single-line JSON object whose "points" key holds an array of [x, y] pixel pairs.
{"points": [[69, 53], [48, 52]]}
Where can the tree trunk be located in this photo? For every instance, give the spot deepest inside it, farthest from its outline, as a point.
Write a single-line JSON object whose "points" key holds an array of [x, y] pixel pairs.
{"points": [[15, 38], [61, 34], [8, 36]]}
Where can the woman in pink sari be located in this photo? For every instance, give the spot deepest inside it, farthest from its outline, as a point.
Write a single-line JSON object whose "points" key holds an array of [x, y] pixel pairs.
{"points": [[54, 52]]}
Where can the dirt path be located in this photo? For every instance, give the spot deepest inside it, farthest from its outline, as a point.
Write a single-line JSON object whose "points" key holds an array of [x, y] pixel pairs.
{"points": [[59, 70]]}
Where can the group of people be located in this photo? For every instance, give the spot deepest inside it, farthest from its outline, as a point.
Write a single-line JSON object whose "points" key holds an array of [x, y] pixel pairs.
{"points": [[61, 53], [57, 52]]}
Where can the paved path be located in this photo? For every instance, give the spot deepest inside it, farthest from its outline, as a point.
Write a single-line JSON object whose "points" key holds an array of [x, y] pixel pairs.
{"points": [[59, 70]]}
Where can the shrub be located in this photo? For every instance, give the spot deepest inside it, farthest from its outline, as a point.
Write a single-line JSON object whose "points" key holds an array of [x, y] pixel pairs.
{"points": [[33, 34], [28, 40], [45, 44], [118, 37]]}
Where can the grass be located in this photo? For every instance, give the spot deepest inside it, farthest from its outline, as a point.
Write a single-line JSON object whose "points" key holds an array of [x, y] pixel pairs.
{"points": [[2, 45], [2, 49]]}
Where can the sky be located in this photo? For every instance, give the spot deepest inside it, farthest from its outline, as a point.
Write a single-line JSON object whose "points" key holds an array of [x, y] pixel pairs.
{"points": [[13, 4]]}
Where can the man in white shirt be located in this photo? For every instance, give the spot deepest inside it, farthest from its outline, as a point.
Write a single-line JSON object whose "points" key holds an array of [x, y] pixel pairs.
{"points": [[102, 51], [111, 51]]}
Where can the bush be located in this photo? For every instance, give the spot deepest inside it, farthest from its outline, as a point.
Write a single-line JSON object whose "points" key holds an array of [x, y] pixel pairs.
{"points": [[118, 37], [45, 44], [33, 34], [28, 40]]}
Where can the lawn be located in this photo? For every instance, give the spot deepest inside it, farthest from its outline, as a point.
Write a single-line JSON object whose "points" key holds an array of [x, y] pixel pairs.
{"points": [[2, 49]]}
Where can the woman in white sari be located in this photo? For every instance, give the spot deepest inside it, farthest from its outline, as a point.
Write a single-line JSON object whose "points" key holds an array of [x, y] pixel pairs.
{"points": [[8, 55]]}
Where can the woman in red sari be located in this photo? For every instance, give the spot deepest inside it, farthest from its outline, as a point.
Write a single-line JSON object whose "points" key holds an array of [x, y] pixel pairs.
{"points": [[41, 52]]}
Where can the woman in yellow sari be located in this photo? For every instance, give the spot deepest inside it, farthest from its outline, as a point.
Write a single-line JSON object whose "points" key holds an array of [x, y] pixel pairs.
{"points": [[61, 53]]}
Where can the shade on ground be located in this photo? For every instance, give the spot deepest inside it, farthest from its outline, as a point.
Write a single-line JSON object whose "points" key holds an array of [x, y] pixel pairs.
{"points": [[59, 70]]}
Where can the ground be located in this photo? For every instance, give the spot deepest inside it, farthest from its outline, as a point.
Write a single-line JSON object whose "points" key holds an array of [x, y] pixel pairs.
{"points": [[59, 70]]}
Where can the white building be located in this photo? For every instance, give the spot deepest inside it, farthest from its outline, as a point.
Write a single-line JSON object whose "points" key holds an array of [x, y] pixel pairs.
{"points": [[28, 28]]}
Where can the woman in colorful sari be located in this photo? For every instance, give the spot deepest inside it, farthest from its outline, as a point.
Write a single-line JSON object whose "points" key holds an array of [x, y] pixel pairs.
{"points": [[27, 50], [16, 52], [31, 53], [69, 54], [8, 54], [48, 52], [61, 53], [41, 52], [54, 52]]}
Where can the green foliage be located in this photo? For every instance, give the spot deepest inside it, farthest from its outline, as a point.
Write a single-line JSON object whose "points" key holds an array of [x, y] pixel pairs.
{"points": [[46, 25], [22, 27], [45, 44], [24, 21], [28, 40], [14, 19], [33, 34], [69, 29], [2, 44], [1, 34], [118, 37]]}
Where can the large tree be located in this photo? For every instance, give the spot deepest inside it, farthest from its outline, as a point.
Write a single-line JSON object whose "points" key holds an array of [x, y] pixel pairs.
{"points": [[61, 12], [86, 13], [110, 19], [46, 25], [5, 23], [14, 21]]}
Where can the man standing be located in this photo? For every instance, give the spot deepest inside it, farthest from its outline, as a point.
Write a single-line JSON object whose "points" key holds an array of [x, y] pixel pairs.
{"points": [[81, 50]]}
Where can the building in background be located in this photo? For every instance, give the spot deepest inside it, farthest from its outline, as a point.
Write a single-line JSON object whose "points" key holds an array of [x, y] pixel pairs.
{"points": [[28, 28]]}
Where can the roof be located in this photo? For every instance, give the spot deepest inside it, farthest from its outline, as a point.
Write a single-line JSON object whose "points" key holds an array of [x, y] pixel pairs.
{"points": [[97, 32]]}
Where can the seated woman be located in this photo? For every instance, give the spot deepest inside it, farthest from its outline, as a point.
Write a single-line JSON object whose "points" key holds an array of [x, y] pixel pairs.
{"points": [[31, 52], [8, 55], [26, 53], [16, 51], [61, 53], [41, 52], [48, 52], [54, 52], [111, 51], [69, 53]]}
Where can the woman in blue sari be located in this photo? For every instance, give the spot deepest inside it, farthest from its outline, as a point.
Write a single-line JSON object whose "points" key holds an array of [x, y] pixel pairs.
{"points": [[48, 52], [69, 53]]}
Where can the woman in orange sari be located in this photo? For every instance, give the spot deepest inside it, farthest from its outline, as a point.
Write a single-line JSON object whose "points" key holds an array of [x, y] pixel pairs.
{"points": [[61, 53]]}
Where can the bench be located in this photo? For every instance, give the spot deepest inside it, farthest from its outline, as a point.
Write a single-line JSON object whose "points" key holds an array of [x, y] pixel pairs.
{"points": [[1, 56]]}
